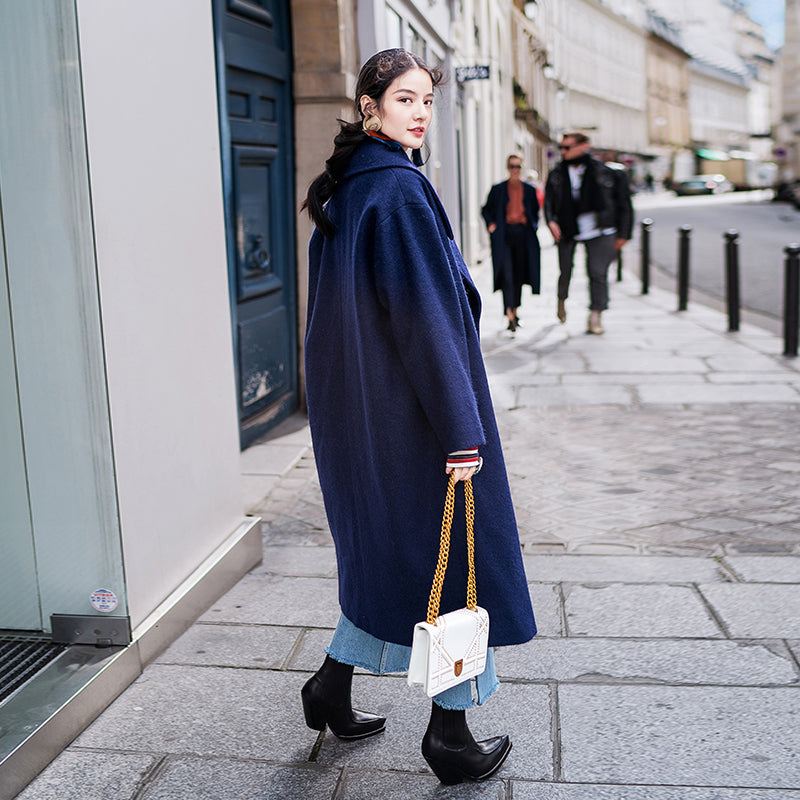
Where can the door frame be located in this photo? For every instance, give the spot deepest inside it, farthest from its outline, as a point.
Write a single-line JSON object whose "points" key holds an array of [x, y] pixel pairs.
{"points": [[253, 428]]}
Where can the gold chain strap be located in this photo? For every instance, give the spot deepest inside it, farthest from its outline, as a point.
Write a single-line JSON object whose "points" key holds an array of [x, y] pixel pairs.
{"points": [[434, 601]]}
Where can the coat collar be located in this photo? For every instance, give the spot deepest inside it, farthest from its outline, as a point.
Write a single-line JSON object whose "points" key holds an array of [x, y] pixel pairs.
{"points": [[376, 154]]}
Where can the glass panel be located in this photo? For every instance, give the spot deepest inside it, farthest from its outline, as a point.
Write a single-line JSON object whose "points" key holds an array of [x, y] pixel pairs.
{"points": [[19, 607], [50, 263]]}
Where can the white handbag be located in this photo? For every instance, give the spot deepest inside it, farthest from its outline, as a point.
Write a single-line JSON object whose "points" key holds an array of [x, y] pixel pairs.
{"points": [[451, 649]]}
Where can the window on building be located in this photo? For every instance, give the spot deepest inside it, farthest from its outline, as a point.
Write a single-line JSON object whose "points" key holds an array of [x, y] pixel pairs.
{"points": [[417, 44], [394, 28]]}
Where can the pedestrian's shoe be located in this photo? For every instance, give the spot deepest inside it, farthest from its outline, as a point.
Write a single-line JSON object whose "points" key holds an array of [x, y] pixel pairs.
{"points": [[512, 326], [326, 701], [594, 325], [561, 312], [452, 753]]}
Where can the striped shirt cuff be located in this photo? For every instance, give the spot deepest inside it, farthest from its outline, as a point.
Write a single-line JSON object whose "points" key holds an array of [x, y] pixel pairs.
{"points": [[464, 458]]}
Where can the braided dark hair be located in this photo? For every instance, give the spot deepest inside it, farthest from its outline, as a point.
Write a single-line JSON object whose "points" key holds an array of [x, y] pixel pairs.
{"points": [[375, 77]]}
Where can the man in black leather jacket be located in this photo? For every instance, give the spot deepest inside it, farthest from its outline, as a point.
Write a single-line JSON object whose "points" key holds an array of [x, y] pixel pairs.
{"points": [[590, 202]]}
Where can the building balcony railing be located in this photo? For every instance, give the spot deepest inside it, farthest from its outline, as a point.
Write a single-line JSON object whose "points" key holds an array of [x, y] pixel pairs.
{"points": [[534, 120]]}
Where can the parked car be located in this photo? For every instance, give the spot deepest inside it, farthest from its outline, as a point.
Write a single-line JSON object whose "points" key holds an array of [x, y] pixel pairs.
{"points": [[788, 192], [703, 184]]}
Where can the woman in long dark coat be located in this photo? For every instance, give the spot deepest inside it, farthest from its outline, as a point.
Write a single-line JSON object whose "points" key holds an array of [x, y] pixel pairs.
{"points": [[398, 399], [511, 214]]}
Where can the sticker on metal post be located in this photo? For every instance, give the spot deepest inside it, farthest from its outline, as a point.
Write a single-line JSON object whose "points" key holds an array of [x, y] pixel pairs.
{"points": [[103, 600]]}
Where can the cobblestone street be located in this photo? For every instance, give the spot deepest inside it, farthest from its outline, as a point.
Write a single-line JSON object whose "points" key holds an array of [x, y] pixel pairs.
{"points": [[655, 472]]}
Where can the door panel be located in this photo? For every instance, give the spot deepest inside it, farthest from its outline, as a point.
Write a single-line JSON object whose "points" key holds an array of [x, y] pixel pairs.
{"points": [[265, 367], [254, 69], [258, 249]]}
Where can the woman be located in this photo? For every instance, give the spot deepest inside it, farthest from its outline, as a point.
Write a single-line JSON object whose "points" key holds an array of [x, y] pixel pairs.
{"points": [[397, 400], [511, 214]]}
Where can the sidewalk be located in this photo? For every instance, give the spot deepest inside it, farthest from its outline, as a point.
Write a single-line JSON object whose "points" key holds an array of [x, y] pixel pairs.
{"points": [[656, 476]]}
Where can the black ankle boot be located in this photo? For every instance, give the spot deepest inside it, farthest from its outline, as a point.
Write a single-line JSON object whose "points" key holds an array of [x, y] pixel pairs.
{"points": [[452, 753], [326, 701]]}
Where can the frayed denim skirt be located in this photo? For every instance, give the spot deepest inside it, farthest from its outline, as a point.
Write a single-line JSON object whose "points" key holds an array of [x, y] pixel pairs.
{"points": [[351, 645]]}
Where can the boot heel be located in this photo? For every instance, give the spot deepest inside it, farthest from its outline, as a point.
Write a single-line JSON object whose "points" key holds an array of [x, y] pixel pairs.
{"points": [[315, 717], [446, 773]]}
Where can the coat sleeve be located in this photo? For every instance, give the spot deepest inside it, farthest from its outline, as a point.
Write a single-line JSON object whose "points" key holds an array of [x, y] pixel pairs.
{"points": [[622, 200], [488, 210], [416, 285], [534, 201], [550, 198]]}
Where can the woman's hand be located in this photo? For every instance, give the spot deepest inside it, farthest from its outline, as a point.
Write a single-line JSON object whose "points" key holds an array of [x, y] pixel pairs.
{"points": [[492, 227], [464, 463], [462, 473]]}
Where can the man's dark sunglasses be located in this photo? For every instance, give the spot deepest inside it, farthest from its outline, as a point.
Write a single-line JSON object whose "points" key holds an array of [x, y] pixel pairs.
{"points": [[565, 146]]}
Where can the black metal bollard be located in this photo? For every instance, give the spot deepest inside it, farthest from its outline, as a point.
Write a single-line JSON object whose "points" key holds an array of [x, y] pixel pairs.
{"points": [[791, 299], [646, 224], [732, 277], [619, 266], [684, 232]]}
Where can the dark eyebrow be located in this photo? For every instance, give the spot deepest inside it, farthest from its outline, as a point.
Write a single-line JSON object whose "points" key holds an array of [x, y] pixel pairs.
{"points": [[411, 91]]}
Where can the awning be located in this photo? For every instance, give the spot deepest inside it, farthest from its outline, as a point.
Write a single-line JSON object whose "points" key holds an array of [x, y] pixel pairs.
{"points": [[713, 155]]}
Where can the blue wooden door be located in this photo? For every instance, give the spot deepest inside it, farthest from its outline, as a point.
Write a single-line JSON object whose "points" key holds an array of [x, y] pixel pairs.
{"points": [[254, 74]]}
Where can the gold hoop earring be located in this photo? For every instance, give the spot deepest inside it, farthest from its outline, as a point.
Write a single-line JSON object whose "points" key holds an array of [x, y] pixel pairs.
{"points": [[371, 123]]}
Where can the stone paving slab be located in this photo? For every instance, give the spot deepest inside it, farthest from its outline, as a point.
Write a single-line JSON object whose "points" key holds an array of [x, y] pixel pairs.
{"points": [[246, 646], [207, 711], [624, 569], [279, 601], [307, 562], [626, 361], [741, 362], [597, 791], [757, 610], [254, 489], [310, 653], [672, 661], [630, 378], [718, 393], [720, 524], [749, 377], [75, 774], [213, 779], [794, 646], [694, 736], [546, 601], [561, 396], [638, 610], [398, 786], [766, 569], [521, 711], [271, 458]]}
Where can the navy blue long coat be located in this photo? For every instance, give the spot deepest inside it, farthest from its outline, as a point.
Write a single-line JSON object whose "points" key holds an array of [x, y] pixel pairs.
{"points": [[396, 381], [494, 211]]}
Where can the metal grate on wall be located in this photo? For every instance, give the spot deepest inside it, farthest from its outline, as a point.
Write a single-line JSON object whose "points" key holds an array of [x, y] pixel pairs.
{"points": [[21, 659]]}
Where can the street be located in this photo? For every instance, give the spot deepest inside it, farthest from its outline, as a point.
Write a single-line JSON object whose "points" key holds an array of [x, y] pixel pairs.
{"points": [[654, 474], [765, 228]]}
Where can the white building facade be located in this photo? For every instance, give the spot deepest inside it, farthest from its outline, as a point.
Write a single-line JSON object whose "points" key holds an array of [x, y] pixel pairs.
{"points": [[598, 57], [789, 127], [718, 107], [534, 91]]}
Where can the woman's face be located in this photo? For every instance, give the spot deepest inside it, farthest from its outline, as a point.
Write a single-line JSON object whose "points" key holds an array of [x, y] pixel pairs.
{"points": [[406, 108]]}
